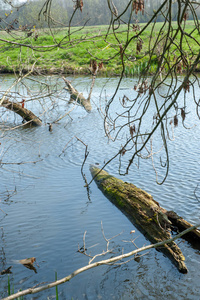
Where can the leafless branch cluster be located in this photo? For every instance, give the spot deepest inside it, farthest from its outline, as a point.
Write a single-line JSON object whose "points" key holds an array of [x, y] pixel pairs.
{"points": [[158, 102], [84, 248]]}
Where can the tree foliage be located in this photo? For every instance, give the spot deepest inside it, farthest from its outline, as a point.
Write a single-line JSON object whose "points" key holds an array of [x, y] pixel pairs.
{"points": [[95, 12]]}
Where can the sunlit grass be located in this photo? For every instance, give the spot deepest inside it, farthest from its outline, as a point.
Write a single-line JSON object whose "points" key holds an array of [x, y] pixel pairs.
{"points": [[74, 56]]}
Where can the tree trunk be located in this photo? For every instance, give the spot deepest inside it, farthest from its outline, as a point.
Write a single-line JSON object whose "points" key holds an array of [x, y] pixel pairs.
{"points": [[23, 112], [182, 224], [145, 213], [77, 97]]}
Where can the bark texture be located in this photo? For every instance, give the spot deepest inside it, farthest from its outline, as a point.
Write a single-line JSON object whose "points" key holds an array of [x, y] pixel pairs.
{"points": [[145, 213], [26, 114], [77, 97]]}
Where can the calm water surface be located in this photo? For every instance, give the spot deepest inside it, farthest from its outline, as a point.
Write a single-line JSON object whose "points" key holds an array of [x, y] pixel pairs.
{"points": [[51, 209]]}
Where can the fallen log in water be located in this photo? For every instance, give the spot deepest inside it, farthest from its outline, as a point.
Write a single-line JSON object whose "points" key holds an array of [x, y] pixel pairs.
{"points": [[76, 96], [26, 114], [146, 214], [181, 224]]}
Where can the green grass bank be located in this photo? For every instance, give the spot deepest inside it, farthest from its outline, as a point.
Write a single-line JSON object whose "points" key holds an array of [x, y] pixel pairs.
{"points": [[70, 52]]}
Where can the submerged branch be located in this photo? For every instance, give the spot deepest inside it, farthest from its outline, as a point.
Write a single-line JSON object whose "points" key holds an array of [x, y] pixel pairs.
{"points": [[109, 261], [23, 112], [76, 96], [145, 213]]}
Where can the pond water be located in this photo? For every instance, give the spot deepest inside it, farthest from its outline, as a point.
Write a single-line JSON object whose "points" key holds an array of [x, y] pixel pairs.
{"points": [[49, 209]]}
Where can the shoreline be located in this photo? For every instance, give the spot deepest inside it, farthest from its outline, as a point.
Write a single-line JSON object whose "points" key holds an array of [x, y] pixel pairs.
{"points": [[55, 71], [71, 71]]}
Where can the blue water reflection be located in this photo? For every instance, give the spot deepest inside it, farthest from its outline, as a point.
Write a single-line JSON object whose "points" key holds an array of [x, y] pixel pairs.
{"points": [[51, 210]]}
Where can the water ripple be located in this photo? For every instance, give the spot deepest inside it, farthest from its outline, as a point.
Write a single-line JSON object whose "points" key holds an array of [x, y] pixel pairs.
{"points": [[52, 209]]}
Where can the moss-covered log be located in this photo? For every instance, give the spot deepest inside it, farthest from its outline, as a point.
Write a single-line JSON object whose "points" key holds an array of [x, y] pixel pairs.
{"points": [[145, 213], [26, 114], [77, 97], [181, 225]]}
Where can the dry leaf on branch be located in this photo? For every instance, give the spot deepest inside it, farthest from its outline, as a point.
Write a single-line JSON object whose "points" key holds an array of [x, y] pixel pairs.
{"points": [[78, 4], [100, 65], [93, 66], [179, 68], [187, 86], [132, 130], [139, 45], [121, 51], [138, 5], [175, 121], [186, 16], [183, 113]]}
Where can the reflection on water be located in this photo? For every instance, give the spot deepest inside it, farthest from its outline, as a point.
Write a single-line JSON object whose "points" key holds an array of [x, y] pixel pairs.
{"points": [[50, 210]]}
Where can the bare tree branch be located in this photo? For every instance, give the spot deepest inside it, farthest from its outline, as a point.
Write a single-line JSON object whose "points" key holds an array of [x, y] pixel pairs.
{"points": [[109, 261]]}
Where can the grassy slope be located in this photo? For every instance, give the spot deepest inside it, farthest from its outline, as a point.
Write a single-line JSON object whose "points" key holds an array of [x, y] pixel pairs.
{"points": [[75, 57]]}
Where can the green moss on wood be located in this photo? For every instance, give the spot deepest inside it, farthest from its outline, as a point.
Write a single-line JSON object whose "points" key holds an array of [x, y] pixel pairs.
{"points": [[142, 210]]}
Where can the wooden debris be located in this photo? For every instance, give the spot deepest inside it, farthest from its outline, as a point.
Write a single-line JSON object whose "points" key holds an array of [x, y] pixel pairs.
{"points": [[26, 114], [28, 263], [6, 271], [144, 212], [182, 224], [75, 96]]}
